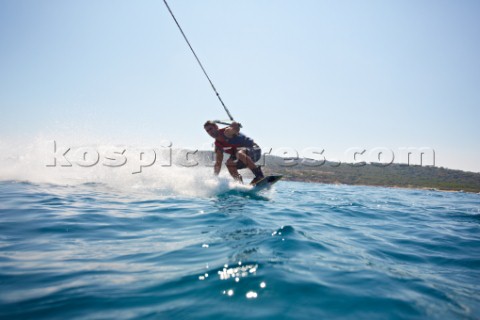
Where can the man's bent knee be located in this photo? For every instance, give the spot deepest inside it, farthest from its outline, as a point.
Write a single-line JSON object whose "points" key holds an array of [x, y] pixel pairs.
{"points": [[242, 154]]}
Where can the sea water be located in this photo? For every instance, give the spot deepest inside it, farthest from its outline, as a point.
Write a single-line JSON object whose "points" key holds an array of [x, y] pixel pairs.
{"points": [[205, 248]]}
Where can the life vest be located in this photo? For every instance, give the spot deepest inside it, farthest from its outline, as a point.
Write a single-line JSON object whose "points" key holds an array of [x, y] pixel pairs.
{"points": [[230, 145]]}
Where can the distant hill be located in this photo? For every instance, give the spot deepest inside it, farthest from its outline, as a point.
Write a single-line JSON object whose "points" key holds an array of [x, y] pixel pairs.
{"points": [[394, 175]]}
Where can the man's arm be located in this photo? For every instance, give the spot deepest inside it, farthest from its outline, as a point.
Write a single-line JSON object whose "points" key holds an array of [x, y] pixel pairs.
{"points": [[218, 161], [233, 129]]}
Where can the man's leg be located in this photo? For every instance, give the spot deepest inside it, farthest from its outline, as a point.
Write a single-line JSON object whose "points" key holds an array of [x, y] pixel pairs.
{"points": [[243, 156], [232, 168]]}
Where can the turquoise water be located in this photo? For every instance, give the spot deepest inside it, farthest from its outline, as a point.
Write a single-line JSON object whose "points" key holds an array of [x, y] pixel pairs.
{"points": [[300, 251]]}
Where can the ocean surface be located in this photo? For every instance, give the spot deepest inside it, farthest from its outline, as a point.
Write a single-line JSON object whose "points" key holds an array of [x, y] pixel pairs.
{"points": [[299, 251]]}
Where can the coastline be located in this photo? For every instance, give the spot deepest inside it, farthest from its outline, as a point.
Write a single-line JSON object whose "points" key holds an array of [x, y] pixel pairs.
{"points": [[395, 176]]}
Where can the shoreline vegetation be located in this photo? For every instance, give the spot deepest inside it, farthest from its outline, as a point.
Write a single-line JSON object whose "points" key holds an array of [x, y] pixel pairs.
{"points": [[371, 174], [393, 175]]}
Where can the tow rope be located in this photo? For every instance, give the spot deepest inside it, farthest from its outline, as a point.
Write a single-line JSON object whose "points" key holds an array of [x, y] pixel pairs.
{"points": [[198, 60]]}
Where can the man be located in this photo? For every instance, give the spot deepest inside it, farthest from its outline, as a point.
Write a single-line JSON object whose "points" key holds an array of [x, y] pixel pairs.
{"points": [[243, 151]]}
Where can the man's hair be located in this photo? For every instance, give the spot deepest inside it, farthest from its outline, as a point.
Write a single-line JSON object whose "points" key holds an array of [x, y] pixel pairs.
{"points": [[210, 123]]}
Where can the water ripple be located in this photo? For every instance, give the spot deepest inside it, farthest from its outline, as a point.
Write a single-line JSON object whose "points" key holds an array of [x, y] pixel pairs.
{"points": [[303, 251]]}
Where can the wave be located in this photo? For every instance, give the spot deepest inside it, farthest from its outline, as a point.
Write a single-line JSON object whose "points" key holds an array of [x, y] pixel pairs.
{"points": [[166, 170]]}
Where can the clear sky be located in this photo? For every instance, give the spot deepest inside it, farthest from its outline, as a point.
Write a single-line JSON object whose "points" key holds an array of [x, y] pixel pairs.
{"points": [[296, 73]]}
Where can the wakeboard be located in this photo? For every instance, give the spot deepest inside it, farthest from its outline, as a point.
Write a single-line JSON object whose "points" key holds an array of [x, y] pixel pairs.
{"points": [[266, 183]]}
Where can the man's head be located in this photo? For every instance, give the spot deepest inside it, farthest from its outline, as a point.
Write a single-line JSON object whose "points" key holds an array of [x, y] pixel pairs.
{"points": [[211, 128]]}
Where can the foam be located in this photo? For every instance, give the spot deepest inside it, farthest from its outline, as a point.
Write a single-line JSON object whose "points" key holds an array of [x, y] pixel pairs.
{"points": [[33, 161]]}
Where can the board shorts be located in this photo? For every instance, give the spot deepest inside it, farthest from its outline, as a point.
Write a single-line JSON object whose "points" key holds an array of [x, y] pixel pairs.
{"points": [[255, 153]]}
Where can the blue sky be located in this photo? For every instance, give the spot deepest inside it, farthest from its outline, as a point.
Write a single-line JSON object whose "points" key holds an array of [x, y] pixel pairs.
{"points": [[298, 74]]}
